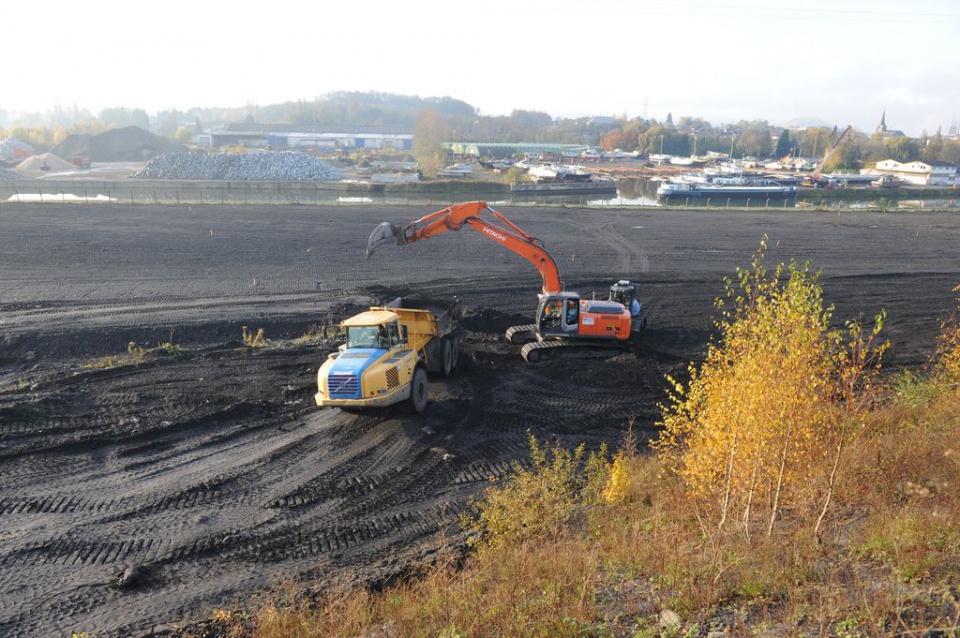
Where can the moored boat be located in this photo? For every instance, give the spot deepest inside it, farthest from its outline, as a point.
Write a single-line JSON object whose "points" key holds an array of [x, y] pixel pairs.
{"points": [[554, 172], [724, 187], [574, 173], [456, 170]]}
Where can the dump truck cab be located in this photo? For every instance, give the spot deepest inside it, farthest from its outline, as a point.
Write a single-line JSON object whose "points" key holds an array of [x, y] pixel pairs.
{"points": [[387, 355], [378, 329]]}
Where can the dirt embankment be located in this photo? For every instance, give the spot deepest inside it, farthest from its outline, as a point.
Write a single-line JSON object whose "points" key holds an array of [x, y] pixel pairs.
{"points": [[137, 496]]}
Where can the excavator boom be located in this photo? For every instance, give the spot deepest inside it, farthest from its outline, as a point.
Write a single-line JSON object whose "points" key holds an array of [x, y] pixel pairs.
{"points": [[455, 217]]}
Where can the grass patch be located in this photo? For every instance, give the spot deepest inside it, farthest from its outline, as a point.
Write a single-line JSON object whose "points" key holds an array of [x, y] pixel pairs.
{"points": [[135, 354], [254, 339], [318, 332], [632, 546]]}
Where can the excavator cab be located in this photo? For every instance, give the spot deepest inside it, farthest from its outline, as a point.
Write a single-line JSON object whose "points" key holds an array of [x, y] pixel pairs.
{"points": [[559, 315]]}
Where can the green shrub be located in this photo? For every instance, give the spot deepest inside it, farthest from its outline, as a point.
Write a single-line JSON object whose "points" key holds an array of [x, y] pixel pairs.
{"points": [[541, 501]]}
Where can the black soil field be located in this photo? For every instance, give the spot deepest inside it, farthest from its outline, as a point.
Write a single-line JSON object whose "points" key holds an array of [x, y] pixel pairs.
{"points": [[138, 496]]}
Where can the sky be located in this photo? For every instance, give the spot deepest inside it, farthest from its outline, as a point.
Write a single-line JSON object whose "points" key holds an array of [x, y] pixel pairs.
{"points": [[835, 62]]}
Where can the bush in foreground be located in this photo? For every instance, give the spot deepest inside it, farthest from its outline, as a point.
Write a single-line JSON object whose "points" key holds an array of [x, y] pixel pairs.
{"points": [[763, 423]]}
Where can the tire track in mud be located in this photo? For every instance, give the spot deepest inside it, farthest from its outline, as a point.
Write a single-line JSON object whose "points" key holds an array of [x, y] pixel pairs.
{"points": [[295, 535], [629, 260], [271, 542]]}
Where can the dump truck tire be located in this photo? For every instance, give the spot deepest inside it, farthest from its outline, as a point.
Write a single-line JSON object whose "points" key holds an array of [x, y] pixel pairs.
{"points": [[447, 363], [419, 391]]}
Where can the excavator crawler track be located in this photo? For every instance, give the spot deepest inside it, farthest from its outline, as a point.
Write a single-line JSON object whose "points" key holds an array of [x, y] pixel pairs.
{"points": [[522, 334], [537, 351]]}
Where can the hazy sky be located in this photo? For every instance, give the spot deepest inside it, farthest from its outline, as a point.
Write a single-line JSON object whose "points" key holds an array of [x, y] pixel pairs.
{"points": [[842, 62]]}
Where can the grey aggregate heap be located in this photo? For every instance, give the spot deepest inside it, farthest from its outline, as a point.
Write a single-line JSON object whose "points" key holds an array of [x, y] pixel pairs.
{"points": [[280, 166], [10, 144], [5, 174]]}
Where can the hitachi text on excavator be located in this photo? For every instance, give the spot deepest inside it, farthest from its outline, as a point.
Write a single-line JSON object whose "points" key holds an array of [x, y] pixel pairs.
{"points": [[564, 323]]}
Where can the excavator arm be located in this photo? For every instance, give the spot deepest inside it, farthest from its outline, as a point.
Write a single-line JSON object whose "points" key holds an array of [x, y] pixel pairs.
{"points": [[469, 214]]}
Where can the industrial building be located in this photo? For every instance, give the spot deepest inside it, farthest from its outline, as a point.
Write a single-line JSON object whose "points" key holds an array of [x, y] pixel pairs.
{"points": [[515, 149], [308, 136]]}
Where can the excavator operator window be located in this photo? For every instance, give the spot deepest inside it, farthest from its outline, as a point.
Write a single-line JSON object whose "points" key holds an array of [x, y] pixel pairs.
{"points": [[573, 312], [551, 314]]}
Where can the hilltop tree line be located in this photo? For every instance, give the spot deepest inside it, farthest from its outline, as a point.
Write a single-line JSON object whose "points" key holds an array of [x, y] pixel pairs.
{"points": [[439, 119]]}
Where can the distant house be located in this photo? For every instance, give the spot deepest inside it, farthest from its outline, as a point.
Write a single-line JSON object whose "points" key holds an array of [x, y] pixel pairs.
{"points": [[920, 173]]}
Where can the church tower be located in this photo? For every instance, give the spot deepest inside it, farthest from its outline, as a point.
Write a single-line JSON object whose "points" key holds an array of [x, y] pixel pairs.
{"points": [[882, 126]]}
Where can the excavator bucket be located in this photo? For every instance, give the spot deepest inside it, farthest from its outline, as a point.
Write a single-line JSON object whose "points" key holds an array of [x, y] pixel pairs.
{"points": [[383, 234]]}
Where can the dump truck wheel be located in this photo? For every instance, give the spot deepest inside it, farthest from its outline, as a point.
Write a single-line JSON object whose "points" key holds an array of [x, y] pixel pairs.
{"points": [[446, 356], [419, 391]]}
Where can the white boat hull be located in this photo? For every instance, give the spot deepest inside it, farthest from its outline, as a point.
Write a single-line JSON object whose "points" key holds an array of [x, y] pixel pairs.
{"points": [[721, 188]]}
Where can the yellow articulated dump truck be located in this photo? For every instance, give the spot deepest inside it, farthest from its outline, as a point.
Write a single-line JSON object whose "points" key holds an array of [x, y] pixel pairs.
{"points": [[388, 353]]}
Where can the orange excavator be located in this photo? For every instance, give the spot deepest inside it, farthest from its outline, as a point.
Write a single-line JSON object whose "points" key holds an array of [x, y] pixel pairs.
{"points": [[564, 323]]}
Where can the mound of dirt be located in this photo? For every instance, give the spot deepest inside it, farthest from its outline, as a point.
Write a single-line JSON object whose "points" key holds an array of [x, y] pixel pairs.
{"points": [[129, 144], [45, 162]]}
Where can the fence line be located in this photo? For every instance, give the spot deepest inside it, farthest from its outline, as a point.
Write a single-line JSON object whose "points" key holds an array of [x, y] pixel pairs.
{"points": [[178, 193]]}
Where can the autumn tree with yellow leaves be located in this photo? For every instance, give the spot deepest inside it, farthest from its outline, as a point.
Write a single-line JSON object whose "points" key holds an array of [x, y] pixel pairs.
{"points": [[764, 420]]}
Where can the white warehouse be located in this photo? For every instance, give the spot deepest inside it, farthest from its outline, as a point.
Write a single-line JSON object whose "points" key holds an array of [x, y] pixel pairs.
{"points": [[920, 173]]}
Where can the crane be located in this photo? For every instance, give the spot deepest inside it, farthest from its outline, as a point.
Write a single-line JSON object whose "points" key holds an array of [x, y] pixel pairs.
{"points": [[815, 179], [563, 322]]}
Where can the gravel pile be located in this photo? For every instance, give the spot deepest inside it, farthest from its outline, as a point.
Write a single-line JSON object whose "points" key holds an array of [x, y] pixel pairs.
{"points": [[10, 144], [5, 174], [282, 166]]}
